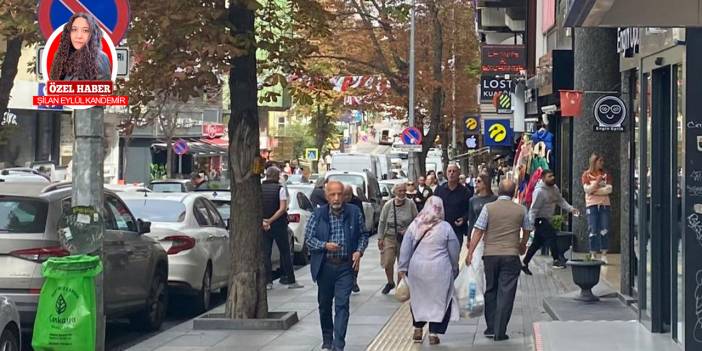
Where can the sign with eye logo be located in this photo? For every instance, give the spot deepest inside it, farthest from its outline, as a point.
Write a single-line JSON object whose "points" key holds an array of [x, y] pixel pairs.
{"points": [[610, 113]]}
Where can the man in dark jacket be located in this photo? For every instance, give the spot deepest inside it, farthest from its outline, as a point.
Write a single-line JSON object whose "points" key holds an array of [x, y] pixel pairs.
{"points": [[336, 238], [317, 197], [275, 224], [456, 199]]}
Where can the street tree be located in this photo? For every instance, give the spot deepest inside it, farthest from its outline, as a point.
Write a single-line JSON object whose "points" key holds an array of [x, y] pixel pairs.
{"points": [[18, 28]]}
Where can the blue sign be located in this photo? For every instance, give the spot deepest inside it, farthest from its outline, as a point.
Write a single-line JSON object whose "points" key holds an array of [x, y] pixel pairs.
{"points": [[411, 136], [498, 133], [112, 15], [42, 92], [181, 147], [357, 116]]}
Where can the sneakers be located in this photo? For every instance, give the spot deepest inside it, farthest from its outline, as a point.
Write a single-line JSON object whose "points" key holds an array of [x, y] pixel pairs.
{"points": [[434, 339], [558, 265], [501, 338], [387, 288], [526, 270], [604, 259], [489, 333], [295, 286], [356, 289], [269, 286], [418, 336]]}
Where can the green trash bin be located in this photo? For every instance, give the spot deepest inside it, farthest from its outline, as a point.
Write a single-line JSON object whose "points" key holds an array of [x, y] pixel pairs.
{"points": [[66, 314]]}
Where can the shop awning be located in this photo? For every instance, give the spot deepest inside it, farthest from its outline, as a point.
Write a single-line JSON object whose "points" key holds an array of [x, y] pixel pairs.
{"points": [[633, 13], [197, 148]]}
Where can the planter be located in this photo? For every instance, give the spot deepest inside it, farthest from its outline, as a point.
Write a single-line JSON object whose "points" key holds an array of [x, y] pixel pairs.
{"points": [[586, 274], [563, 242]]}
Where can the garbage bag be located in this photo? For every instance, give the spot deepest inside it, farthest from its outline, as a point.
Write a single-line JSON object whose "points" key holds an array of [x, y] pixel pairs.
{"points": [[65, 317]]}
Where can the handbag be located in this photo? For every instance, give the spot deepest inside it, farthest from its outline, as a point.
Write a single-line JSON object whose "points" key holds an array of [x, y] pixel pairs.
{"points": [[398, 236], [402, 291]]}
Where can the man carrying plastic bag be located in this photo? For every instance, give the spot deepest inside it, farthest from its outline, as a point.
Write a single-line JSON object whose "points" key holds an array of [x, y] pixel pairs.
{"points": [[66, 314]]}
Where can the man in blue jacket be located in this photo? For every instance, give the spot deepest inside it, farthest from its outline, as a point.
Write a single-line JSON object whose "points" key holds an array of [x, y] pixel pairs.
{"points": [[336, 238]]}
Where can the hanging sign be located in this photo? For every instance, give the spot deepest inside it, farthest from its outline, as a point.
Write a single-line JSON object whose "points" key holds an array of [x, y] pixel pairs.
{"points": [[610, 114]]}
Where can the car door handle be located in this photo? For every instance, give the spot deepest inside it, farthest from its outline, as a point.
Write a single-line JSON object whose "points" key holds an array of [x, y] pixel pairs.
{"points": [[211, 237]]}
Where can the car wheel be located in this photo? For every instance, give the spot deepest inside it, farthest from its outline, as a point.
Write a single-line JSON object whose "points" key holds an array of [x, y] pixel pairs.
{"points": [[302, 258], [152, 316], [204, 296], [9, 341]]}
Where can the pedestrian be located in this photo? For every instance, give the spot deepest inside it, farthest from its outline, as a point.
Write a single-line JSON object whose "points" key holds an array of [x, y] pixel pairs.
{"points": [[440, 178], [424, 188], [415, 195], [318, 197], [336, 238], [499, 226], [429, 261], [431, 182], [462, 179], [275, 206], [543, 206], [483, 195], [352, 199], [299, 170], [395, 217], [598, 186], [456, 200]]}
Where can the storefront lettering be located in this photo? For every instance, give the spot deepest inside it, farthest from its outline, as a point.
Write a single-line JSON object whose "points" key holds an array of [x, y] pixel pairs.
{"points": [[696, 176], [628, 39], [698, 307], [694, 125], [8, 119], [694, 223], [694, 190]]}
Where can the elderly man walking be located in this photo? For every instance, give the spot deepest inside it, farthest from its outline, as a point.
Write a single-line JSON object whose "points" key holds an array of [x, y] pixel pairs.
{"points": [[456, 198], [336, 237], [501, 223]]}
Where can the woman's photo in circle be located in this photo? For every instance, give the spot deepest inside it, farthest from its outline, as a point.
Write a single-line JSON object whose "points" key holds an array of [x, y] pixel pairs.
{"points": [[79, 55]]}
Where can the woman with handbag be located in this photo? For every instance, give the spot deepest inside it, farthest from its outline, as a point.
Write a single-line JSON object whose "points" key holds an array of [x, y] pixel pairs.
{"points": [[428, 266], [598, 186], [395, 217]]}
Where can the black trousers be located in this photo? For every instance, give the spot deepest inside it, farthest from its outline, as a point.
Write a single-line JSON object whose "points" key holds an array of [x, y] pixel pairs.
{"points": [[435, 328], [501, 276], [279, 235], [544, 235]]}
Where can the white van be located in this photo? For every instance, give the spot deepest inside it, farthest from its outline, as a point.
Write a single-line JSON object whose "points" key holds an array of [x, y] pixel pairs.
{"points": [[357, 162]]}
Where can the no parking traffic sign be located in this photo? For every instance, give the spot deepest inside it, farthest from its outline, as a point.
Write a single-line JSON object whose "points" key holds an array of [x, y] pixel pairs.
{"points": [[111, 15]]}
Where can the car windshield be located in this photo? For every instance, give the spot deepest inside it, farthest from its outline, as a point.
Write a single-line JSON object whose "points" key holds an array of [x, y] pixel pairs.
{"points": [[22, 215], [157, 210], [293, 204], [354, 180], [167, 187], [222, 208]]}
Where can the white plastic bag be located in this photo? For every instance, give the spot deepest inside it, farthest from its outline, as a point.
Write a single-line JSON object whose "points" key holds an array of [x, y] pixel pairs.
{"points": [[473, 274], [402, 291]]}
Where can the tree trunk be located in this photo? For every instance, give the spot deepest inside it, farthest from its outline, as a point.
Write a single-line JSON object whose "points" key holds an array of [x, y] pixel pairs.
{"points": [[437, 46], [169, 157], [247, 281], [8, 71], [125, 156]]}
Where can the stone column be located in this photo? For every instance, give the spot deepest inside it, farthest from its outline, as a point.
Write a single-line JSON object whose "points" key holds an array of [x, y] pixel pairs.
{"points": [[625, 186], [596, 70]]}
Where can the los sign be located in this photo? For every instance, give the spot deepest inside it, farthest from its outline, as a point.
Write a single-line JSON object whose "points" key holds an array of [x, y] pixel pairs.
{"points": [[489, 85]]}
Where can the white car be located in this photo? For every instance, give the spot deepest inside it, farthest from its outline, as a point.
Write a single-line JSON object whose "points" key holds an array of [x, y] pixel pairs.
{"points": [[299, 212], [22, 175], [194, 235], [9, 326]]}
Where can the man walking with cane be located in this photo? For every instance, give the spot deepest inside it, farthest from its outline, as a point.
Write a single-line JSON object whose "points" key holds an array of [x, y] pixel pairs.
{"points": [[500, 224], [336, 237]]}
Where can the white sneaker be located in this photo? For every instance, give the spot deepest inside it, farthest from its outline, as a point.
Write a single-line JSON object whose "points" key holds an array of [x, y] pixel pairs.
{"points": [[604, 259]]}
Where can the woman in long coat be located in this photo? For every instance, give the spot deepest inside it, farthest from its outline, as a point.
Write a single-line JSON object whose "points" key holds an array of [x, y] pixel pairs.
{"points": [[430, 266]]}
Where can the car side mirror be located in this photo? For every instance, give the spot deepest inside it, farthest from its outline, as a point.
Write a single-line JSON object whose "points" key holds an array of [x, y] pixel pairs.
{"points": [[144, 226], [226, 221], [385, 194]]}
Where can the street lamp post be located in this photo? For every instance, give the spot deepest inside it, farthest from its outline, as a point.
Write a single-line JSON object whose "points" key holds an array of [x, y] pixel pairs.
{"points": [[412, 160]]}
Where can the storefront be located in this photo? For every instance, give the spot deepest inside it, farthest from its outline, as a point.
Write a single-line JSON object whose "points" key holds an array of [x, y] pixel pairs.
{"points": [[653, 66]]}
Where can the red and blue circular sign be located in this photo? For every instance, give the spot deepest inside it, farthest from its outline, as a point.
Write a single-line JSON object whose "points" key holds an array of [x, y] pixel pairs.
{"points": [[111, 15], [181, 147], [411, 136]]}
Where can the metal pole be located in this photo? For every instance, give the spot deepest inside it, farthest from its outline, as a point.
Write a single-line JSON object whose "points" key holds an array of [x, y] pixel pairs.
{"points": [[87, 189], [453, 79], [411, 159], [180, 165]]}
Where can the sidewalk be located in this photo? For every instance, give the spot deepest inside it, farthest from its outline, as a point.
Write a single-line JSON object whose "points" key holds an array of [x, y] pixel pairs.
{"points": [[377, 322]]}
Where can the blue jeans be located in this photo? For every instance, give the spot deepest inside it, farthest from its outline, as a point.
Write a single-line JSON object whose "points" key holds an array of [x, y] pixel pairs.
{"points": [[598, 227], [334, 284]]}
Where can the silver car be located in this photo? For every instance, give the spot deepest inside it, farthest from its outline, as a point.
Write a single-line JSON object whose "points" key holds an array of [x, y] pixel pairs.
{"points": [[135, 265], [10, 336]]}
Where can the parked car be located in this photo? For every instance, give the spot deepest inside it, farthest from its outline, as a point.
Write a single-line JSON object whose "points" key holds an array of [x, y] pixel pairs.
{"points": [[127, 187], [299, 212], [135, 265], [10, 336], [54, 172], [22, 175], [172, 186], [370, 191], [193, 233], [297, 179]]}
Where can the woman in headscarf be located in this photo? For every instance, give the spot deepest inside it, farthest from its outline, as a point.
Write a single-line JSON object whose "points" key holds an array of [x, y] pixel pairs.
{"points": [[429, 261], [79, 55]]}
